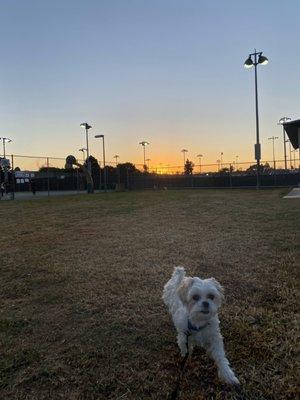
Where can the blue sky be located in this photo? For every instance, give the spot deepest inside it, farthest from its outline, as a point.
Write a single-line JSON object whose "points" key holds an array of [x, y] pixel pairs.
{"points": [[170, 72]]}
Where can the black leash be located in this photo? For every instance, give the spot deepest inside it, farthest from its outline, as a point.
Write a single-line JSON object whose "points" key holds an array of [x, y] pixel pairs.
{"points": [[174, 395]]}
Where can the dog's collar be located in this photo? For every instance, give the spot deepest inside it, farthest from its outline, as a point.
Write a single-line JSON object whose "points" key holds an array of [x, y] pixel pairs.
{"points": [[192, 327]]}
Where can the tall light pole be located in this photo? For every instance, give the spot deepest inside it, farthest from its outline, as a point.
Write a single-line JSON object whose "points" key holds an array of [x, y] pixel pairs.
{"points": [[287, 141], [281, 122], [236, 162], [86, 126], [148, 163], [5, 140], [5, 168], [83, 150], [221, 159], [292, 161], [290, 148], [218, 162], [294, 152], [118, 168], [144, 144], [258, 58], [103, 151], [200, 156], [273, 138], [184, 151], [116, 157]]}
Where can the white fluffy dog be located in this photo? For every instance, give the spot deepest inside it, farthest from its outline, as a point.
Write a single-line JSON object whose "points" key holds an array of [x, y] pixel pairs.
{"points": [[193, 304]]}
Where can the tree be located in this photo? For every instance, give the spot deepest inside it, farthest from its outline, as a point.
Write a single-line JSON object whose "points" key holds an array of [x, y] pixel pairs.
{"points": [[52, 169], [145, 167], [188, 167], [126, 172], [263, 168], [128, 167], [95, 167], [226, 170], [70, 161], [111, 174]]}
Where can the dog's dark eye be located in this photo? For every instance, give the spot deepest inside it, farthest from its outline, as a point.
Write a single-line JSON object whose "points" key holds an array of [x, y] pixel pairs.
{"points": [[210, 296], [196, 297]]}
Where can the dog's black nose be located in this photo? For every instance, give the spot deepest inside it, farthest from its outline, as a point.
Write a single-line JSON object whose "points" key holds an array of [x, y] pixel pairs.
{"points": [[205, 304]]}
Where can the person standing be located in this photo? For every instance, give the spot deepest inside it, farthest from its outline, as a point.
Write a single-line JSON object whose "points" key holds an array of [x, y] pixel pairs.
{"points": [[2, 189], [33, 187]]}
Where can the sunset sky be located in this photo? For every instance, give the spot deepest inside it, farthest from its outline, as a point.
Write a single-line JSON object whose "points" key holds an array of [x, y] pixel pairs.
{"points": [[166, 71]]}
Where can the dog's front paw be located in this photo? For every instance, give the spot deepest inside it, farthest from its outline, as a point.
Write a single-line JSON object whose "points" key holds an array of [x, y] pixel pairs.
{"points": [[227, 376]]}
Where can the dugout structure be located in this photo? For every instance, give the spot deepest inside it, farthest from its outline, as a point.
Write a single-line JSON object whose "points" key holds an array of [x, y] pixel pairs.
{"points": [[292, 129]]}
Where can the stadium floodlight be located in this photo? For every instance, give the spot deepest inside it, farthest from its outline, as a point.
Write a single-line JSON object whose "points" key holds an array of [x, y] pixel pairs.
{"points": [[144, 144], [281, 122], [200, 156], [184, 151], [5, 140], [83, 150], [273, 138], [253, 60], [103, 152], [86, 126]]}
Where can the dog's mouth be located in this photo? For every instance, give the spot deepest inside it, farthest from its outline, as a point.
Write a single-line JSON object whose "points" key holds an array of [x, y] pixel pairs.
{"points": [[204, 311]]}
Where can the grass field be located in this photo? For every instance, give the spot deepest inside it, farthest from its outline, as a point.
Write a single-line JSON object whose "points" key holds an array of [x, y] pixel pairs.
{"points": [[81, 281]]}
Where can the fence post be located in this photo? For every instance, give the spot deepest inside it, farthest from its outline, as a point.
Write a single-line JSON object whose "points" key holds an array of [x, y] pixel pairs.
{"points": [[230, 177], [48, 177], [127, 178], [77, 182], [119, 174], [100, 178], [12, 177]]}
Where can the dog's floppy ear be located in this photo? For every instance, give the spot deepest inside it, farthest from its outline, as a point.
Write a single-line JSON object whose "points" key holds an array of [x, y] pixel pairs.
{"points": [[218, 286], [183, 289]]}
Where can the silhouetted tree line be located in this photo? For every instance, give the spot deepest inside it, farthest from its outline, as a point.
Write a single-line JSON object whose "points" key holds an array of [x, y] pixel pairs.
{"points": [[118, 174], [263, 168], [188, 167], [122, 173]]}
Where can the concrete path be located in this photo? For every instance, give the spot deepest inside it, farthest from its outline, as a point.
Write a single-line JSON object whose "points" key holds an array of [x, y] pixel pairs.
{"points": [[294, 194]]}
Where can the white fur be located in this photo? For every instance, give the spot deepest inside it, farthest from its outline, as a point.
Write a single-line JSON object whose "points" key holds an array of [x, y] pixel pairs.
{"points": [[181, 295]]}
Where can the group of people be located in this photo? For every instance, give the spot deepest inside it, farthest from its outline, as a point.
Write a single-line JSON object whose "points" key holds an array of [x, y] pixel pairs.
{"points": [[5, 187]]}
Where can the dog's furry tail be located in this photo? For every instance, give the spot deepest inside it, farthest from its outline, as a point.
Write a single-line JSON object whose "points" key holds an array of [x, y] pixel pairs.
{"points": [[172, 285]]}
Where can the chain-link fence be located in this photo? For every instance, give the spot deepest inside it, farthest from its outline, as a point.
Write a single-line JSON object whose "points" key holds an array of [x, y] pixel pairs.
{"points": [[21, 175]]}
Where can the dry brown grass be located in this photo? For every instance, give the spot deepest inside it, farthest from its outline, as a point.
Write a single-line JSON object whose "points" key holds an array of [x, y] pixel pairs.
{"points": [[81, 282]]}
